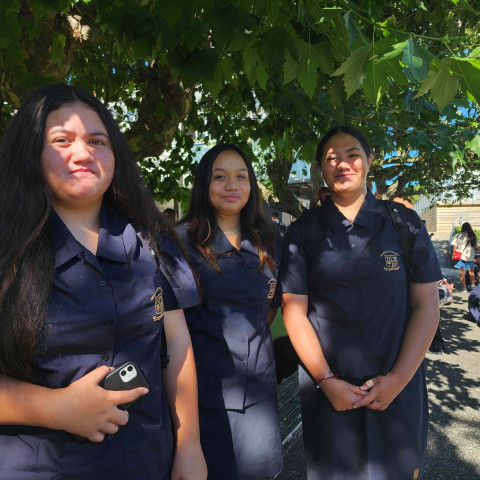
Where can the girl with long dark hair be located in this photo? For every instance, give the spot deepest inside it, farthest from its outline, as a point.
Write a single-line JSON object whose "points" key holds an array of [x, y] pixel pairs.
{"points": [[90, 275], [231, 247], [465, 242]]}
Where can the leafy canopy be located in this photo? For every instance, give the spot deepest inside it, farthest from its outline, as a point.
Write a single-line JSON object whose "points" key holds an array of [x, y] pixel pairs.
{"points": [[271, 75]]}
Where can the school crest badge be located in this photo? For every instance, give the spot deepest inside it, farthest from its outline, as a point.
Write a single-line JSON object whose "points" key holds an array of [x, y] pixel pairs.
{"points": [[391, 260], [272, 283], [159, 305]]}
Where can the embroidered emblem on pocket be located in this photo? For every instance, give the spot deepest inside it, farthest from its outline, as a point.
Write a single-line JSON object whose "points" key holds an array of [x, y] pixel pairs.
{"points": [[159, 306], [272, 284], [391, 260], [416, 473]]}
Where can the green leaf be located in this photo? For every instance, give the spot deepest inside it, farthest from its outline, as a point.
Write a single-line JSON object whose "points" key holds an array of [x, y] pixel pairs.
{"points": [[172, 11], [58, 45], [340, 39], [397, 50], [475, 53], [10, 29], [456, 156], [442, 85], [214, 86], [417, 60], [474, 144], [262, 76], [312, 57], [376, 82], [250, 59], [320, 14], [320, 52], [314, 9], [199, 66], [290, 69], [308, 76], [273, 9], [354, 69], [274, 43], [352, 27], [335, 96], [469, 72]]}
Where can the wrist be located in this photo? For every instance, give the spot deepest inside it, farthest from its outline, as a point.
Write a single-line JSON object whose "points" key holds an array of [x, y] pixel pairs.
{"points": [[398, 377], [50, 408], [329, 376]]}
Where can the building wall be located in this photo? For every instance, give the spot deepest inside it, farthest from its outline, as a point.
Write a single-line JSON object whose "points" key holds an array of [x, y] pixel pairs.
{"points": [[441, 218]]}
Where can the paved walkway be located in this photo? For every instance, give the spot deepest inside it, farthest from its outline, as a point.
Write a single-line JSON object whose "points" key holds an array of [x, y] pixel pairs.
{"points": [[454, 393]]}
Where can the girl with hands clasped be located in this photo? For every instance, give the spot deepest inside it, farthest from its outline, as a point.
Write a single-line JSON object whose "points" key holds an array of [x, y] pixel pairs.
{"points": [[91, 276], [361, 313]]}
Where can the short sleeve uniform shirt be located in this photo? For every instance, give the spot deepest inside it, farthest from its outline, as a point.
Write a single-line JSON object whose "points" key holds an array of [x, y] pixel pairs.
{"points": [[230, 335], [104, 309], [356, 284]]}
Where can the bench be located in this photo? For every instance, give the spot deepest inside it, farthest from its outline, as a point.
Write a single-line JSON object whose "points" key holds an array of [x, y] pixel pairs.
{"points": [[289, 409]]}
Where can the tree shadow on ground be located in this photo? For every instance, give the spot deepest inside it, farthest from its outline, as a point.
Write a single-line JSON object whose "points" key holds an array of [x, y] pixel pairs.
{"points": [[451, 393], [455, 330]]}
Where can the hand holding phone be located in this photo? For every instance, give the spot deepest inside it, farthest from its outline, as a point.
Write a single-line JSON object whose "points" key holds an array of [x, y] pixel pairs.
{"points": [[125, 377]]}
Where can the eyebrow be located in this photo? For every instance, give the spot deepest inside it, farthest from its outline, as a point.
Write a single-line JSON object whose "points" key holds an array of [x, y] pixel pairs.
{"points": [[348, 150], [65, 130], [224, 169]]}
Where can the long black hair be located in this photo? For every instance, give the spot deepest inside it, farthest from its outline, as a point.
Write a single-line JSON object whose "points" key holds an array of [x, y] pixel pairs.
{"points": [[201, 214], [26, 251], [472, 238]]}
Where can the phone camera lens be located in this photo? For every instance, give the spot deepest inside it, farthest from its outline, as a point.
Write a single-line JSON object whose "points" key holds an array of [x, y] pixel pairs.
{"points": [[130, 368], [123, 373]]}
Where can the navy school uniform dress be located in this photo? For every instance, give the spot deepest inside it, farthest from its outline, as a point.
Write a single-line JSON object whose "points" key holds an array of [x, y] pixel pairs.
{"points": [[104, 309], [239, 423], [357, 303]]}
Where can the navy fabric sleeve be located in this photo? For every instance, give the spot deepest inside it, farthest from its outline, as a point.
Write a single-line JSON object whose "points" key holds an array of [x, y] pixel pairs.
{"points": [[424, 261], [175, 268], [293, 266]]}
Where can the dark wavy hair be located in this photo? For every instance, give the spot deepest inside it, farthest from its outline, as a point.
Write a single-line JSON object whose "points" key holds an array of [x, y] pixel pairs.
{"points": [[472, 238], [342, 129], [26, 250], [202, 219]]}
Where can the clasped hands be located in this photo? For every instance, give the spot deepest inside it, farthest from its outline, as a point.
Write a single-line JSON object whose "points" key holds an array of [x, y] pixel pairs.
{"points": [[376, 393]]}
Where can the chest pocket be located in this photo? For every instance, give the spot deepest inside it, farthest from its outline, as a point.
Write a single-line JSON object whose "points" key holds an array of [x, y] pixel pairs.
{"points": [[387, 262]]}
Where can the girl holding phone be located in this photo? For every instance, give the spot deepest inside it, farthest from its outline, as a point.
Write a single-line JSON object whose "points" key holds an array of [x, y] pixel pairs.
{"points": [[90, 276]]}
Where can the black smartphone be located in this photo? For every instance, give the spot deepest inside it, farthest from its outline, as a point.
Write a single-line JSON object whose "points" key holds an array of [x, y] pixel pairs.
{"points": [[125, 377]]}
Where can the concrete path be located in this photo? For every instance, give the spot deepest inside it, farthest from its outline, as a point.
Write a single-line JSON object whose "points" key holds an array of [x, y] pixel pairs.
{"points": [[454, 393]]}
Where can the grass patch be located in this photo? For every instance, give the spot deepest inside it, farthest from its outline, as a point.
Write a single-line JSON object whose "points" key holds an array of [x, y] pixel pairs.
{"points": [[277, 327]]}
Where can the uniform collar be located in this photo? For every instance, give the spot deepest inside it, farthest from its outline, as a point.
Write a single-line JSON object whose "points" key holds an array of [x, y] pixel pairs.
{"points": [[365, 216], [110, 239], [64, 243], [221, 245], [114, 235]]}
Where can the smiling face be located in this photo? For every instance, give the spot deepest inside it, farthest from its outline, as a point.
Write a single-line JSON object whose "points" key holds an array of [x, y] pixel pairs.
{"points": [[345, 165], [77, 158], [229, 187]]}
